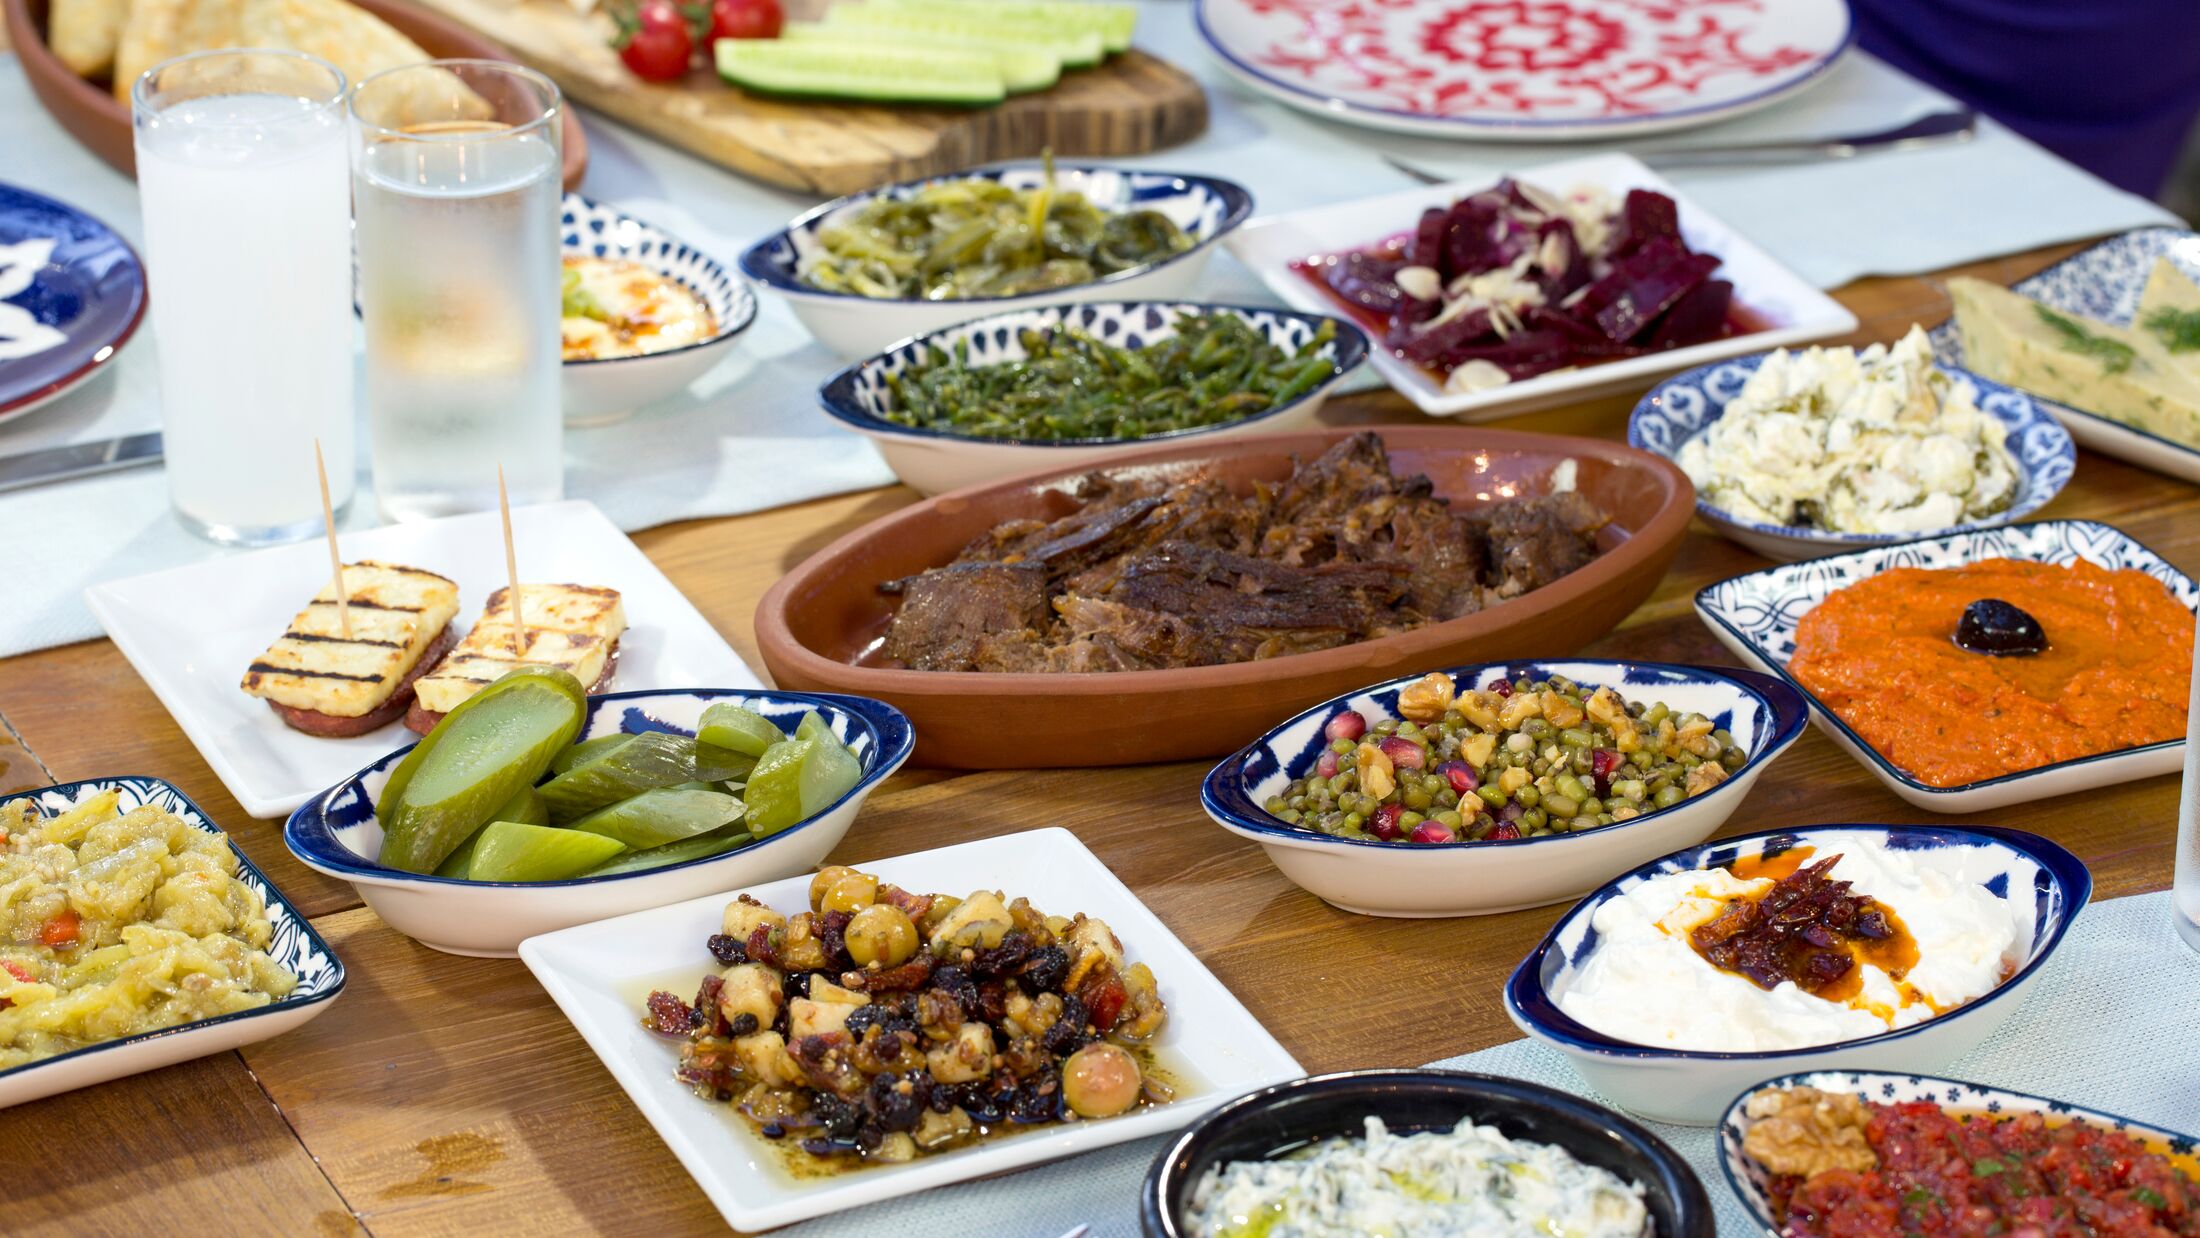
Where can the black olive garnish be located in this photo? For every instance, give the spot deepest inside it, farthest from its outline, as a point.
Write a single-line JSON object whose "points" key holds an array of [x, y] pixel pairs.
{"points": [[1997, 629]]}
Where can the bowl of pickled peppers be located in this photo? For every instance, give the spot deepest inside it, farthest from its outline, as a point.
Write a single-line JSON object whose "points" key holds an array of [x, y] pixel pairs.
{"points": [[1038, 388], [1487, 788], [533, 806]]}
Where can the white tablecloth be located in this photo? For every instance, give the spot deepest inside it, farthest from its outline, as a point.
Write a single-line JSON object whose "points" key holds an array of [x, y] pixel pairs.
{"points": [[2105, 1029], [749, 437]]}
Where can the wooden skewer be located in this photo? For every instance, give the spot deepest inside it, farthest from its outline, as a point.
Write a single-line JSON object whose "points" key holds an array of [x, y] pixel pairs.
{"points": [[511, 569], [335, 559]]}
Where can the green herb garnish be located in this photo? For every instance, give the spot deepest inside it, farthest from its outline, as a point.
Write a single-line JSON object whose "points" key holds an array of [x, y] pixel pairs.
{"points": [[1986, 1167], [579, 302], [2179, 330], [2151, 1198], [2115, 356], [1918, 1197]]}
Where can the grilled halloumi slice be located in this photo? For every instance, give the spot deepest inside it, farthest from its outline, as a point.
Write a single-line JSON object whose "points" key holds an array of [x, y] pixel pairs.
{"points": [[572, 627], [396, 613]]}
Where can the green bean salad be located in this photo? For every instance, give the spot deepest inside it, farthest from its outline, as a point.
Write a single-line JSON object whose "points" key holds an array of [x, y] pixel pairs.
{"points": [[1517, 759], [1217, 368]]}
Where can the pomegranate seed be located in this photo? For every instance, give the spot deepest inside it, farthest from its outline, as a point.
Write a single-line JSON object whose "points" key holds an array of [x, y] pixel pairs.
{"points": [[1510, 813], [1384, 824], [1461, 775], [1327, 765], [1347, 725], [1431, 832], [1502, 687], [1603, 763], [1404, 753], [1505, 832]]}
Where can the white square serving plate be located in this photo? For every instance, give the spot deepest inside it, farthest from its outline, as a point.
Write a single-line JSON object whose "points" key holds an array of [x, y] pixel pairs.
{"points": [[1794, 311], [590, 971], [191, 631]]}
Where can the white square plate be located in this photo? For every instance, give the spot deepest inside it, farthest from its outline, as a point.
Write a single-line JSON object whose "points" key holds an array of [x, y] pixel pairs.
{"points": [[192, 654], [589, 970], [1795, 310]]}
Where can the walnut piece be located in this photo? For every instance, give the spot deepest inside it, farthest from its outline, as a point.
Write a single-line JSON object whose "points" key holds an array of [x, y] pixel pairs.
{"points": [[1804, 1131], [1377, 774], [1427, 698]]}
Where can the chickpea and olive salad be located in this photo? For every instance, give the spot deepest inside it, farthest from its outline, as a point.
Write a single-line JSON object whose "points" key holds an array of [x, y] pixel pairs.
{"points": [[1518, 759], [1070, 385], [881, 1024], [976, 237]]}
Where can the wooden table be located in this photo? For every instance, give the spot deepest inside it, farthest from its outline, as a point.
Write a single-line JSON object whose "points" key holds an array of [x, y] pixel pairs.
{"points": [[445, 1095]]}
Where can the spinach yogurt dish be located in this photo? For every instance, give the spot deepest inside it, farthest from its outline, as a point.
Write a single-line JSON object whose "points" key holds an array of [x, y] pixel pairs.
{"points": [[1467, 1180]]}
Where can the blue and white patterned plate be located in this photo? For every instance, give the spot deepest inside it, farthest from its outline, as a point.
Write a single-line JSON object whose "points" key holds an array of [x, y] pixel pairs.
{"points": [[938, 460], [1755, 616], [337, 832], [852, 326], [1752, 1186], [1764, 716], [597, 388], [1693, 1087], [71, 295], [295, 945], [2104, 282], [1685, 405]]}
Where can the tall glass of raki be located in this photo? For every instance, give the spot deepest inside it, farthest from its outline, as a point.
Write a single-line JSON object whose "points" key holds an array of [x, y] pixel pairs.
{"points": [[455, 170], [241, 171]]}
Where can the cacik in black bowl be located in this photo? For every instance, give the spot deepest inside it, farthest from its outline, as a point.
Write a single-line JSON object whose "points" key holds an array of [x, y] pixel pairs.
{"points": [[1275, 1121]]}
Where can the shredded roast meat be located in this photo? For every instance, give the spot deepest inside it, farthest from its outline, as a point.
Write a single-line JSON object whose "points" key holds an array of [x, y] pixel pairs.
{"points": [[1146, 576]]}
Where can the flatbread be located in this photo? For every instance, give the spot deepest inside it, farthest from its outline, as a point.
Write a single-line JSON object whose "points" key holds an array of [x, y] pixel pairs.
{"points": [[158, 29], [84, 33]]}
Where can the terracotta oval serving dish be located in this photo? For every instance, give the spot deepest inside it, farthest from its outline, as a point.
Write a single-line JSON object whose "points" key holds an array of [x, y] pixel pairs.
{"points": [[101, 122], [816, 623]]}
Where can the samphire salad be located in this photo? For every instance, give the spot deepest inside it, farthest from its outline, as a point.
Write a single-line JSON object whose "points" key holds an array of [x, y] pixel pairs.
{"points": [[1467, 1180], [1878, 440]]}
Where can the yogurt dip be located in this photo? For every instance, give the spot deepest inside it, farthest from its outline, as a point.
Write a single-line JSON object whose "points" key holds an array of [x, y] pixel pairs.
{"points": [[1877, 441], [1646, 984], [1467, 1180]]}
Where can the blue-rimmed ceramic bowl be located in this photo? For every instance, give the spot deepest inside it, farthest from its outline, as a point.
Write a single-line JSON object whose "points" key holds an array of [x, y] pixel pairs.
{"points": [[1478, 878], [295, 945], [2104, 281], [1755, 615], [1694, 1087], [336, 831], [599, 390], [1279, 1120], [71, 295], [1752, 1185], [934, 461], [854, 327], [1684, 405]]}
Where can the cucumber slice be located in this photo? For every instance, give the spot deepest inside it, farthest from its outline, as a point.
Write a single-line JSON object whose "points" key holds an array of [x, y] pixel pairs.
{"points": [[829, 774], [525, 808], [717, 842], [814, 726], [1075, 48], [665, 815], [587, 750], [846, 71], [774, 793], [512, 851], [494, 744], [1114, 23], [1025, 64], [652, 759], [727, 725]]}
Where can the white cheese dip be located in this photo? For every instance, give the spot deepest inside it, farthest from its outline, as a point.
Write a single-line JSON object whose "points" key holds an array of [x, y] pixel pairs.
{"points": [[1878, 441], [1644, 983], [1470, 1180]]}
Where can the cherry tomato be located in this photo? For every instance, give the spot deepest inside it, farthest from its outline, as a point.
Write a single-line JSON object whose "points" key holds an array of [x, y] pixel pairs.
{"points": [[745, 19], [654, 40]]}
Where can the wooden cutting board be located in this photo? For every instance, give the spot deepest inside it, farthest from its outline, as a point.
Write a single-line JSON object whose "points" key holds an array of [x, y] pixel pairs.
{"points": [[1129, 105]]}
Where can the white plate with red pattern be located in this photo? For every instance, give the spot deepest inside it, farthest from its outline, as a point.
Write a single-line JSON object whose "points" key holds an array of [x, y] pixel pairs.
{"points": [[1527, 70]]}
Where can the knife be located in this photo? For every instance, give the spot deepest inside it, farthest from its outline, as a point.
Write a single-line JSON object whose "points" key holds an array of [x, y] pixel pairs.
{"points": [[34, 468], [1955, 126]]}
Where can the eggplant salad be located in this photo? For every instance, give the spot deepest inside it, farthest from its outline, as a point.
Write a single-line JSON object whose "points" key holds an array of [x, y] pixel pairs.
{"points": [[881, 1025]]}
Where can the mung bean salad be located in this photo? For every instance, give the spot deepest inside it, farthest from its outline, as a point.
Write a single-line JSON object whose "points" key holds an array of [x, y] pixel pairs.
{"points": [[1517, 758]]}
